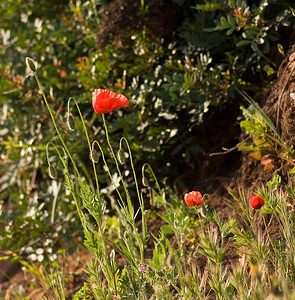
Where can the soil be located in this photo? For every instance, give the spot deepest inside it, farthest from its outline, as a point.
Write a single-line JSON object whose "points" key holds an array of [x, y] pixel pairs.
{"points": [[280, 107], [120, 19]]}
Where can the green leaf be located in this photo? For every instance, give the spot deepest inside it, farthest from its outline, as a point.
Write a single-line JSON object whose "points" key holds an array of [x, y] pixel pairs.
{"points": [[243, 43], [230, 31], [281, 49], [268, 70], [263, 115], [246, 147], [208, 7], [223, 22], [231, 20], [167, 229]]}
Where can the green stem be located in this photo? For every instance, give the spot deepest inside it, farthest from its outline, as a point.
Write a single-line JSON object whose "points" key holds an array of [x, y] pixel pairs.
{"points": [[87, 137], [121, 202], [267, 232], [130, 206], [141, 242], [68, 175], [56, 128], [108, 265], [64, 145], [54, 204], [131, 216], [161, 193], [133, 170]]}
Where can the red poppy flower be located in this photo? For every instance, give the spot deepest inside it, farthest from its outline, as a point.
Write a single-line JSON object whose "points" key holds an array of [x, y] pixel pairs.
{"points": [[193, 198], [256, 202], [104, 101]]}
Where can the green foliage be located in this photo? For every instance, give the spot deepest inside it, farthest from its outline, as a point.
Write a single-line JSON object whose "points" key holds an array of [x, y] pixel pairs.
{"points": [[175, 84]]}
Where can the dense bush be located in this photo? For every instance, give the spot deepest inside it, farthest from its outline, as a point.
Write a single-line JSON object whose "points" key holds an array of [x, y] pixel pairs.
{"points": [[176, 83]]}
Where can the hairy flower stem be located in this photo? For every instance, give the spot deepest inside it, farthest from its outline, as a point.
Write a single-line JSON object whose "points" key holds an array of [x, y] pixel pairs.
{"points": [[130, 216], [108, 266], [147, 165], [87, 137], [64, 145], [141, 204], [117, 164]]}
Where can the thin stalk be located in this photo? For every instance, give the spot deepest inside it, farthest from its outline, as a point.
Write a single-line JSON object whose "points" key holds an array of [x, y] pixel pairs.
{"points": [[286, 159], [121, 202], [133, 170], [109, 268], [64, 145], [156, 180], [267, 232], [67, 174], [54, 204], [141, 245], [55, 126], [130, 206], [87, 137]]}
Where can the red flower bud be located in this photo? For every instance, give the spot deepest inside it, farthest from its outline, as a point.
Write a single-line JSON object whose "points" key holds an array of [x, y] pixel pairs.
{"points": [[256, 202], [104, 101], [193, 198]]}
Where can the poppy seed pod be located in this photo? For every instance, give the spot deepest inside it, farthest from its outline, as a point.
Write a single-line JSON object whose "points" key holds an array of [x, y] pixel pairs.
{"points": [[256, 202], [105, 101]]}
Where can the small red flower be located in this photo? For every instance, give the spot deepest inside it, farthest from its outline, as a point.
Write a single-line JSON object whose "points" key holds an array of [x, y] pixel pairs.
{"points": [[193, 198], [256, 202], [104, 101]]}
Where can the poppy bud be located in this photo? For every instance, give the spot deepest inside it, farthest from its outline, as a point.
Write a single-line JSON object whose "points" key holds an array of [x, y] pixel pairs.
{"points": [[112, 257], [70, 121], [31, 64], [94, 156], [256, 202], [204, 211], [144, 182], [121, 156], [52, 172]]}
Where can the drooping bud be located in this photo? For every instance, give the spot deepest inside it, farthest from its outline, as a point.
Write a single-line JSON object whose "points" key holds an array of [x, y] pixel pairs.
{"points": [[144, 180], [121, 156], [70, 121], [94, 156], [112, 257], [52, 172], [204, 211], [31, 64]]}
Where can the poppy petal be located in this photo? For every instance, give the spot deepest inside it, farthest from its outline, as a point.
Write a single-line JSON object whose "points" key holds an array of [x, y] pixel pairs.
{"points": [[105, 101]]}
